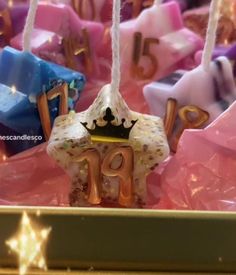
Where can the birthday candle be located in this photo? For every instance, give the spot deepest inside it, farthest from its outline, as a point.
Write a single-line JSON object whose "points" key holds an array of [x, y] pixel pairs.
{"points": [[67, 41], [108, 150], [200, 96], [29, 77], [152, 50], [80, 39]]}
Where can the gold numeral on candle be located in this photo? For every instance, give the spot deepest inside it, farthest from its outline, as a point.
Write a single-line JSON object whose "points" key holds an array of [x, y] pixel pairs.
{"points": [[74, 47], [192, 117], [6, 29], [93, 159], [170, 117], [98, 167], [42, 102], [143, 49], [79, 6], [124, 172]]}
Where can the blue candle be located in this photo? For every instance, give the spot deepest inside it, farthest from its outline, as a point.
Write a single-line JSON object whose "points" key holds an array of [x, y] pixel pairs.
{"points": [[23, 78]]}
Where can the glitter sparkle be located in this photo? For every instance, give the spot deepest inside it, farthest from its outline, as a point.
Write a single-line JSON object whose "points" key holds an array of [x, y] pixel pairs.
{"points": [[29, 244]]}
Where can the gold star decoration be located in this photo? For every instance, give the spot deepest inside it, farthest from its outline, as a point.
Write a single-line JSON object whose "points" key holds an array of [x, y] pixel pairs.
{"points": [[29, 244]]}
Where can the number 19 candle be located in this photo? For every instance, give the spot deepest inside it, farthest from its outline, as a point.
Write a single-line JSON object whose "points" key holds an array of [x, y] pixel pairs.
{"points": [[108, 150]]}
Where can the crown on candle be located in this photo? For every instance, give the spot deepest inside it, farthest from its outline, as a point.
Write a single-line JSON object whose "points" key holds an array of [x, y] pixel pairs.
{"points": [[110, 132]]}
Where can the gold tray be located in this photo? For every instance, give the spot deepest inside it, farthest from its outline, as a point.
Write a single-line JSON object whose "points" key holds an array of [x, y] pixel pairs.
{"points": [[130, 240]]}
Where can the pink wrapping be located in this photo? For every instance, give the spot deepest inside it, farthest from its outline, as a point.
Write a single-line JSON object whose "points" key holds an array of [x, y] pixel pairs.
{"points": [[202, 175], [32, 178]]}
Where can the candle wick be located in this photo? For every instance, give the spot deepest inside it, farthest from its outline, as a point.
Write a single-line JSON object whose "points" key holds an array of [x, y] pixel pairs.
{"points": [[29, 25], [214, 15], [115, 71]]}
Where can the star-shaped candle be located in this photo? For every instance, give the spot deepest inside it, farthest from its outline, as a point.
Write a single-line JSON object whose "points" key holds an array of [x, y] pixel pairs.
{"points": [[108, 150], [155, 42], [29, 245], [80, 38], [33, 92], [199, 96], [25, 80]]}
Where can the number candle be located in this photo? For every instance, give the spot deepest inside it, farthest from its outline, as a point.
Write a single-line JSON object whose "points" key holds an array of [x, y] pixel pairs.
{"points": [[201, 94], [24, 80], [108, 150], [31, 78], [155, 42], [80, 38]]}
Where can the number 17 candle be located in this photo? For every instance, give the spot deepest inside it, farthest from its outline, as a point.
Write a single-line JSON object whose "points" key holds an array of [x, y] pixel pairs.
{"points": [[30, 90]]}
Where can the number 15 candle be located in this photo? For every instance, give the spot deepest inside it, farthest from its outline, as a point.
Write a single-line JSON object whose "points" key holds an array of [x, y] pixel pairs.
{"points": [[155, 42]]}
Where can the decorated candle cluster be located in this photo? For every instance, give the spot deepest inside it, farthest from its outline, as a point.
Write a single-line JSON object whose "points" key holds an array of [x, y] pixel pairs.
{"points": [[126, 140]]}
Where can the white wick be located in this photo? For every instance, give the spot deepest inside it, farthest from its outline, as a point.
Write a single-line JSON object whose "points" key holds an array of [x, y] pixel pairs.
{"points": [[214, 15], [115, 72], [29, 25]]}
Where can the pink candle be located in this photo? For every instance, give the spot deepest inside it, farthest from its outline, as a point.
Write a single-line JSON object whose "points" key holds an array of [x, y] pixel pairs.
{"points": [[155, 42], [81, 39]]}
